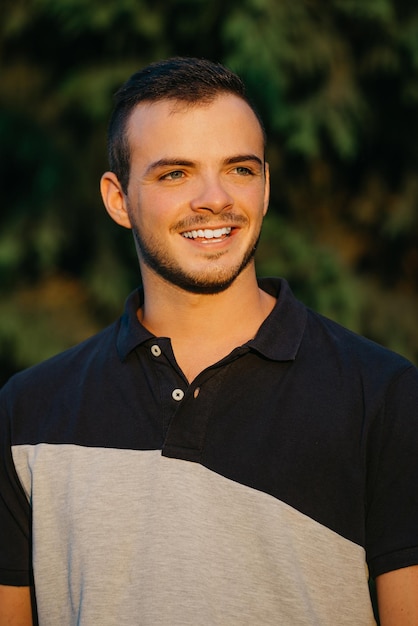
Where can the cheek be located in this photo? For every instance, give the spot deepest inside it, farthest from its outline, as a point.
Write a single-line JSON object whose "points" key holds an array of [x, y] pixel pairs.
{"points": [[163, 203], [256, 203]]}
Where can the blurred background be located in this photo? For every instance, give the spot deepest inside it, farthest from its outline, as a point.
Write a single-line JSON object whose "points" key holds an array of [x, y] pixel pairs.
{"points": [[337, 85]]}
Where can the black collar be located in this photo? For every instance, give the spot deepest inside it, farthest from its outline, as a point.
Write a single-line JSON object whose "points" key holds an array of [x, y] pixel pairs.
{"points": [[278, 338]]}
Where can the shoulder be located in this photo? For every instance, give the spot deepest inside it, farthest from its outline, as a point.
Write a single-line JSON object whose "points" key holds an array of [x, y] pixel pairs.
{"points": [[296, 332], [96, 354], [352, 351], [64, 370], [59, 400], [354, 370]]}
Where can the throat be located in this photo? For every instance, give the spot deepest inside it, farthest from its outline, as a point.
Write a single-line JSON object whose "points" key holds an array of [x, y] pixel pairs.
{"points": [[194, 359]]}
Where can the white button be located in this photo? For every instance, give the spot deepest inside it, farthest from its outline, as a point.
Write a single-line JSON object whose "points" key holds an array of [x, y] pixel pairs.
{"points": [[156, 350], [178, 394]]}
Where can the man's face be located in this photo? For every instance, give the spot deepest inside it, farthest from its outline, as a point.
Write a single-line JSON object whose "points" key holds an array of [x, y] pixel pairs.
{"points": [[198, 191]]}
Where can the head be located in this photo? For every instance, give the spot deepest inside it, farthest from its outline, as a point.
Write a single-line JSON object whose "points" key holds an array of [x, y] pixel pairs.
{"points": [[189, 81], [188, 174]]}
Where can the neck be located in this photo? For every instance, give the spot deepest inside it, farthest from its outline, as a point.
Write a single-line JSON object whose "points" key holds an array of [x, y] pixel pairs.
{"points": [[205, 328]]}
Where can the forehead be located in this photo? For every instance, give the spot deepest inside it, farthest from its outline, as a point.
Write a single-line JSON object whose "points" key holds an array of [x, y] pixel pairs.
{"points": [[226, 120]]}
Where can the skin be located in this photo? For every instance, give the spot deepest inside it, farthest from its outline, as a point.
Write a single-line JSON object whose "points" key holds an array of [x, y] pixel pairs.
{"points": [[15, 606], [397, 594]]}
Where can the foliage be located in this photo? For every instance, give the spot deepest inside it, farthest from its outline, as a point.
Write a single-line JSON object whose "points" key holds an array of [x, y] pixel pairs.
{"points": [[337, 85], [314, 273]]}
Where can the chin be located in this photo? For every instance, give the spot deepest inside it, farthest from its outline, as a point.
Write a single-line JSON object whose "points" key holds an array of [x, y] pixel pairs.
{"points": [[208, 288], [199, 284]]}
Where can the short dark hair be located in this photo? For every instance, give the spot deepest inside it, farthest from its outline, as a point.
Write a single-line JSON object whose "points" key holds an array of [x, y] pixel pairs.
{"points": [[189, 80]]}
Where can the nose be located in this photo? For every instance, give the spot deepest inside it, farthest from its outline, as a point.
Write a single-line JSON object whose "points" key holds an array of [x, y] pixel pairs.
{"points": [[211, 196]]}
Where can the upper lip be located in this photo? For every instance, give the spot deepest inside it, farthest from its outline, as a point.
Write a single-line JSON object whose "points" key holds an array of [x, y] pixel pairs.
{"points": [[230, 221], [234, 221]]}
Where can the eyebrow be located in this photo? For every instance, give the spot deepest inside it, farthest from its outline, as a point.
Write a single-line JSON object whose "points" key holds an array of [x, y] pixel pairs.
{"points": [[239, 158], [168, 163]]}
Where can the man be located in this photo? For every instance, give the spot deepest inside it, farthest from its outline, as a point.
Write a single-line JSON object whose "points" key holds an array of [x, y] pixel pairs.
{"points": [[221, 454]]}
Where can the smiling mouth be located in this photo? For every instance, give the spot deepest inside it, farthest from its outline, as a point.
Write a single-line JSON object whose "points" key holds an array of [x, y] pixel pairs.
{"points": [[208, 234]]}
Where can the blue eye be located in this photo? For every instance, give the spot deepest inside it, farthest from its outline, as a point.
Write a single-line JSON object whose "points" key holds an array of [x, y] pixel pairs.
{"points": [[175, 175], [243, 171]]}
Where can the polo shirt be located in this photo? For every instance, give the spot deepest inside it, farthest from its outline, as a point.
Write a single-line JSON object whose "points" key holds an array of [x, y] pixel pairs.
{"points": [[261, 493]]}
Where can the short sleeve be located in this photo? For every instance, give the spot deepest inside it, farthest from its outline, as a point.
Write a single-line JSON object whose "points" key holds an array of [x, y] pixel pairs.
{"points": [[392, 490], [15, 511]]}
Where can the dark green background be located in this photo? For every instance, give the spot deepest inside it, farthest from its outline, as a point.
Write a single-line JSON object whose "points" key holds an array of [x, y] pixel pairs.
{"points": [[337, 84]]}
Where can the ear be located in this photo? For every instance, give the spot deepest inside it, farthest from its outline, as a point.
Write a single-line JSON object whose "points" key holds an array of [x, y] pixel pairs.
{"points": [[266, 187], [114, 199]]}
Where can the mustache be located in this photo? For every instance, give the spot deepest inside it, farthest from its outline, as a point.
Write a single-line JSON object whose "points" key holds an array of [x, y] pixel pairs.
{"points": [[192, 221]]}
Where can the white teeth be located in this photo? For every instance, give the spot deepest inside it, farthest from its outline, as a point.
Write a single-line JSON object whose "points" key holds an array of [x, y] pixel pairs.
{"points": [[208, 233]]}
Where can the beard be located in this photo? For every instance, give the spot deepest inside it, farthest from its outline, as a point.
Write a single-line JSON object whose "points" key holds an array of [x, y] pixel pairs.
{"points": [[217, 279]]}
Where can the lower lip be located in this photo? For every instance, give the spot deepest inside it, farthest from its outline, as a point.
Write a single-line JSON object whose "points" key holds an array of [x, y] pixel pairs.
{"points": [[209, 241]]}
